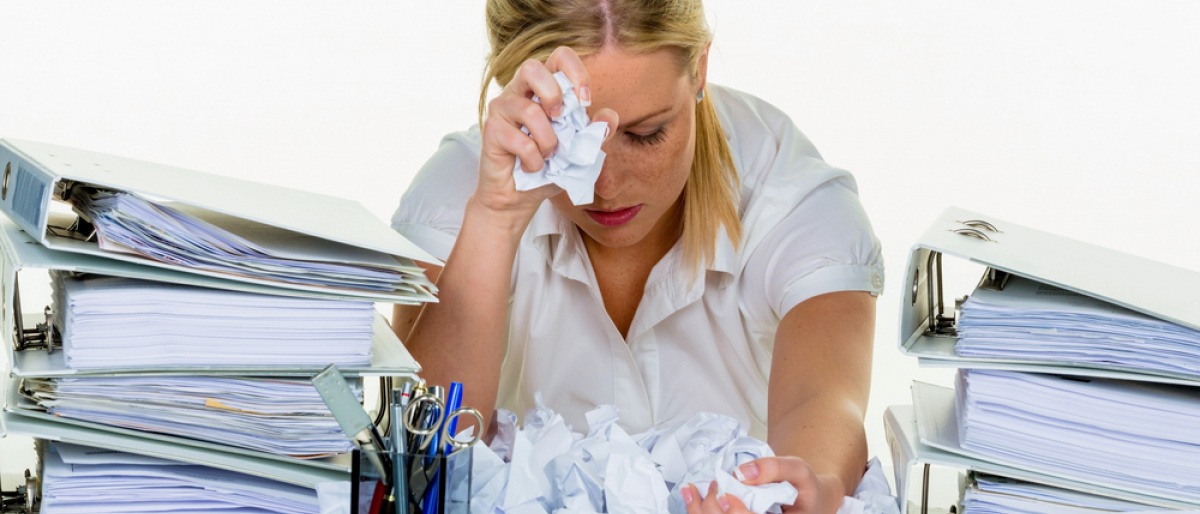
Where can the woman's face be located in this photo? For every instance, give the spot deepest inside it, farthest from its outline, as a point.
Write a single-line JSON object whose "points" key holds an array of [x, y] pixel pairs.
{"points": [[648, 160]]}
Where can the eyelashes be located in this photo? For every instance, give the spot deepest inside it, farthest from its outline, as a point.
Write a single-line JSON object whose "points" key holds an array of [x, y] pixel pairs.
{"points": [[650, 139]]}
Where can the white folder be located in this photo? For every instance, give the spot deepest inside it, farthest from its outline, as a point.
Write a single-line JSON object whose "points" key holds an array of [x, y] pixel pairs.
{"points": [[36, 175], [927, 432], [19, 252], [1143, 285]]}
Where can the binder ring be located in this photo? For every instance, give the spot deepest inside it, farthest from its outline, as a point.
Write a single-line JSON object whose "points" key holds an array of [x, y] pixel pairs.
{"points": [[981, 224], [972, 232], [916, 285], [7, 174]]}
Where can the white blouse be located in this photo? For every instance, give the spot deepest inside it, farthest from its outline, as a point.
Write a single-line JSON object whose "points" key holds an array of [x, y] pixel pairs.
{"points": [[703, 345]]}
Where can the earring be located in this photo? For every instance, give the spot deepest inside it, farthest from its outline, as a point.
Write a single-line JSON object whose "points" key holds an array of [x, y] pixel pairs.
{"points": [[700, 96]]}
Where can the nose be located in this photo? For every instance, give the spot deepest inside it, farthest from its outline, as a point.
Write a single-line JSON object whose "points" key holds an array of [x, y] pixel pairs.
{"points": [[608, 184]]}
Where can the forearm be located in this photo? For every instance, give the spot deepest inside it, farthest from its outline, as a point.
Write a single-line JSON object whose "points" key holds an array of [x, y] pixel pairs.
{"points": [[462, 337], [820, 383], [827, 432]]}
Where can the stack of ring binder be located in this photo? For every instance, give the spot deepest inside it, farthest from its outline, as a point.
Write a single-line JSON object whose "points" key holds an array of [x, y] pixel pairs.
{"points": [[171, 356], [1078, 376]]}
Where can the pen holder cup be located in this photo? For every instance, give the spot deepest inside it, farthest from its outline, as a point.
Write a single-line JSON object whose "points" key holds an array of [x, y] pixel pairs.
{"points": [[432, 483]]}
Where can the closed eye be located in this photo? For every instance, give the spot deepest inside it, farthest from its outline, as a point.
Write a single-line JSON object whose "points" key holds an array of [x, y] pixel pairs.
{"points": [[650, 139]]}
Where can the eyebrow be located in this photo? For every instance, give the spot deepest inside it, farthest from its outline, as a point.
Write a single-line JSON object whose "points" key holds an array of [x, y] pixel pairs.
{"points": [[639, 121]]}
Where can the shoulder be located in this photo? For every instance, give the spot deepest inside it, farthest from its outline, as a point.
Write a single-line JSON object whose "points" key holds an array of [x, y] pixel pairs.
{"points": [[778, 166], [757, 131], [431, 209]]}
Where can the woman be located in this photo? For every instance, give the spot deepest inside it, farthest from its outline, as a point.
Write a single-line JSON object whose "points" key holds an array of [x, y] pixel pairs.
{"points": [[722, 266]]}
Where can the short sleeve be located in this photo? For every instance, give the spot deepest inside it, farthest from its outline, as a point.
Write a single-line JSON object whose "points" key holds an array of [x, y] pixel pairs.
{"points": [[825, 244], [431, 210]]}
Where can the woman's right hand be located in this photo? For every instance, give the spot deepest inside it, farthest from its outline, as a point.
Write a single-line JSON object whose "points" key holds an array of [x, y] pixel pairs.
{"points": [[503, 139]]}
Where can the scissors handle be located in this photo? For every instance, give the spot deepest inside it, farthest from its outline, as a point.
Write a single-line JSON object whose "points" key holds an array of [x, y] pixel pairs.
{"points": [[417, 408], [453, 441]]}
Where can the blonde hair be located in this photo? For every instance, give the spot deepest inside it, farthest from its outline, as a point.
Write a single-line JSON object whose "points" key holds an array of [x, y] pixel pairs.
{"points": [[531, 29]]}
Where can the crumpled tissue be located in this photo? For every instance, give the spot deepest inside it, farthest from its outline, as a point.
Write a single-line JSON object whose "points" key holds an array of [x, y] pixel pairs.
{"points": [[546, 468], [576, 162]]}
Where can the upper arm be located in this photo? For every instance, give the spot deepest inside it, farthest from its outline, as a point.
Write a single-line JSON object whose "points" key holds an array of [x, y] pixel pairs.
{"points": [[405, 316], [813, 281], [430, 213], [823, 348]]}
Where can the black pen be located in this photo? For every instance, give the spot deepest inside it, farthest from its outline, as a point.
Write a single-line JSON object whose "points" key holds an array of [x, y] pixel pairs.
{"points": [[400, 399]]}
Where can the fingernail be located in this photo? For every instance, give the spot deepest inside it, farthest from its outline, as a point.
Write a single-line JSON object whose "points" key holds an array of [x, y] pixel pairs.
{"points": [[723, 501], [585, 95], [556, 111], [749, 471], [688, 494]]}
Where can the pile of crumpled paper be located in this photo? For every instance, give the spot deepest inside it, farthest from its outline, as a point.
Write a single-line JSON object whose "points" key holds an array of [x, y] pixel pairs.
{"points": [[545, 467]]}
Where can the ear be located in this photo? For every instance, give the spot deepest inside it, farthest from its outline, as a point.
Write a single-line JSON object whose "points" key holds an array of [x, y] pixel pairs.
{"points": [[702, 68]]}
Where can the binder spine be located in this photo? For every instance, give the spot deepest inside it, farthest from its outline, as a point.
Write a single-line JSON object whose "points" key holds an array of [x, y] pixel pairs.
{"points": [[25, 191]]}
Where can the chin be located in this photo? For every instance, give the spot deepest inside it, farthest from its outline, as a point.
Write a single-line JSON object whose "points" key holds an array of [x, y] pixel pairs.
{"points": [[615, 237]]}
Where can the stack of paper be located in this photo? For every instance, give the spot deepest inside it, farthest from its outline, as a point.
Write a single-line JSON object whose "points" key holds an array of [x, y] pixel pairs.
{"points": [[998, 495], [130, 224], [1132, 436], [1028, 320], [122, 323], [276, 416], [78, 479]]}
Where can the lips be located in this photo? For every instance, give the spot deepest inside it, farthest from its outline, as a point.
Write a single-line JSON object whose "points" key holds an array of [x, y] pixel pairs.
{"points": [[614, 218]]}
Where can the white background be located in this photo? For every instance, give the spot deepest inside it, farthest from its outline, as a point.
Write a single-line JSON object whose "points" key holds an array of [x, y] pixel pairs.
{"points": [[1080, 118]]}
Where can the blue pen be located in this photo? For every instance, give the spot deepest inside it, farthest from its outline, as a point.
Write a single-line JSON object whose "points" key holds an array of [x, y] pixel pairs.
{"points": [[453, 402]]}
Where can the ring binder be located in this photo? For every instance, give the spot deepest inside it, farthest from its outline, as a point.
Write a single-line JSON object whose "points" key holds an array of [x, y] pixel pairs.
{"points": [[1099, 289], [929, 326], [345, 251]]}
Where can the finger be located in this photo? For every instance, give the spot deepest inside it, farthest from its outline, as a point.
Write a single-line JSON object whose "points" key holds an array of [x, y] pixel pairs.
{"points": [[535, 78], [732, 504], [565, 59], [777, 469], [712, 504], [691, 499], [609, 116], [503, 140]]}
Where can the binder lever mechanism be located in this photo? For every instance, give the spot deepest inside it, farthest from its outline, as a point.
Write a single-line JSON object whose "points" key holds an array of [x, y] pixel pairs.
{"points": [[940, 322], [42, 336], [23, 499], [81, 227]]}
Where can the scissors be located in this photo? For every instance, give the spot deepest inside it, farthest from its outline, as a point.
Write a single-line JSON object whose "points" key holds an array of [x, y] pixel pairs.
{"points": [[430, 423], [426, 420]]}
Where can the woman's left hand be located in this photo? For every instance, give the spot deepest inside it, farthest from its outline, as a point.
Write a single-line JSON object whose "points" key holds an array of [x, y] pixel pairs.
{"points": [[815, 493]]}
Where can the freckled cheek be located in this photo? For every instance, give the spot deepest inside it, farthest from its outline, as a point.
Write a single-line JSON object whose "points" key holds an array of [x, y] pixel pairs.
{"points": [[662, 167]]}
